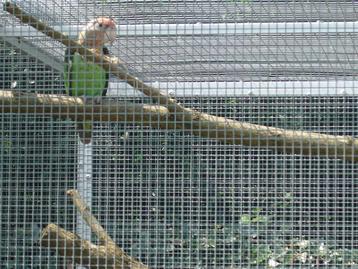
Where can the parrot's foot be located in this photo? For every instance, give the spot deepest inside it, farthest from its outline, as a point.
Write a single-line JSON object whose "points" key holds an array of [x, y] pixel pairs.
{"points": [[92, 99], [116, 61], [98, 100], [85, 99], [18, 93]]}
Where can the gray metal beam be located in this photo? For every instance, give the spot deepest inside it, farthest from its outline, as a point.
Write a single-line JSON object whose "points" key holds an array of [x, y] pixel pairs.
{"points": [[35, 51], [203, 29], [246, 88]]}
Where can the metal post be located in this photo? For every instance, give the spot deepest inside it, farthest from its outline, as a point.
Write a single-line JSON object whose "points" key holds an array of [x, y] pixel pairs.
{"points": [[84, 187]]}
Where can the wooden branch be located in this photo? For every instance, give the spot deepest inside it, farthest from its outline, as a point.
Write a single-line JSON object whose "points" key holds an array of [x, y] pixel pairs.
{"points": [[102, 235], [91, 220], [200, 124], [75, 108], [83, 252]]}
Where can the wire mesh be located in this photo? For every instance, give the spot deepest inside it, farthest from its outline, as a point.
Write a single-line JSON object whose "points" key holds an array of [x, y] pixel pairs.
{"points": [[169, 198]]}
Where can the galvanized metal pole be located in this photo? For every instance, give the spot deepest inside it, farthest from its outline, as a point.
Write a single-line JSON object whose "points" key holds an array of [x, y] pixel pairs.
{"points": [[84, 186]]}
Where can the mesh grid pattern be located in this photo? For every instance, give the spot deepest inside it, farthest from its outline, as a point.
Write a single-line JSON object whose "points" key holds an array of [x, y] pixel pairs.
{"points": [[166, 197]]}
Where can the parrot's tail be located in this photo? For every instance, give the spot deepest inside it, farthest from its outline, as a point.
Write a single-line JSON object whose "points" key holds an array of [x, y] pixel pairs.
{"points": [[84, 130]]}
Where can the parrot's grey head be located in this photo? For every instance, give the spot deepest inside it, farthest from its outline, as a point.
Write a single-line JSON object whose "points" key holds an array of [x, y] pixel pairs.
{"points": [[98, 32]]}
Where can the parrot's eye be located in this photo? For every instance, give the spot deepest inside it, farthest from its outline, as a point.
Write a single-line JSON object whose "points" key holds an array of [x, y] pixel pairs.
{"points": [[100, 25]]}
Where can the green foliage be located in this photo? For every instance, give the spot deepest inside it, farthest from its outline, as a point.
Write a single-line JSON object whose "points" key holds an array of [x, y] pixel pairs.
{"points": [[254, 241]]}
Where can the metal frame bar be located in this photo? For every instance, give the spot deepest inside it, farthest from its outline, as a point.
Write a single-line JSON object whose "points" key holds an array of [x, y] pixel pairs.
{"points": [[34, 51], [240, 88], [84, 185], [205, 29]]}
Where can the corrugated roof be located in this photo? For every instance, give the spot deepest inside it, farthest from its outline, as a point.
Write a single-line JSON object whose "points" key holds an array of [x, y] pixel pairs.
{"points": [[219, 57], [142, 11]]}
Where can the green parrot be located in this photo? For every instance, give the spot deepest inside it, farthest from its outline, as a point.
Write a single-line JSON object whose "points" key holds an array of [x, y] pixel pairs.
{"points": [[89, 79]]}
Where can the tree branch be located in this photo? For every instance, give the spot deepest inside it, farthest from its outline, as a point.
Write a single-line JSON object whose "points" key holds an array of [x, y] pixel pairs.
{"points": [[64, 106], [102, 235], [201, 124], [69, 245], [91, 220]]}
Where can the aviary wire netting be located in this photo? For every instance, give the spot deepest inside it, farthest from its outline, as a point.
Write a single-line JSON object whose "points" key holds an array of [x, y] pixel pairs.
{"points": [[174, 198]]}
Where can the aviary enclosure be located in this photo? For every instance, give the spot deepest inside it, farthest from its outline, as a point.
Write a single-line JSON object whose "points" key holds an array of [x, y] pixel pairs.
{"points": [[178, 134]]}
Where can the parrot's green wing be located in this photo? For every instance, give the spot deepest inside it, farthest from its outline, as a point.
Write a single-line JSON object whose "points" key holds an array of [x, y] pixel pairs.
{"points": [[84, 79]]}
